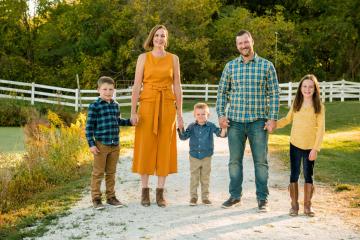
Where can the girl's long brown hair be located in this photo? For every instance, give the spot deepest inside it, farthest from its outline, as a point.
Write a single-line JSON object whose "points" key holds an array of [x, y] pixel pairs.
{"points": [[299, 99]]}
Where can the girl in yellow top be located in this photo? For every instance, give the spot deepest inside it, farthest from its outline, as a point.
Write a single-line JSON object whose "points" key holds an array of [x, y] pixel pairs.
{"points": [[307, 116]]}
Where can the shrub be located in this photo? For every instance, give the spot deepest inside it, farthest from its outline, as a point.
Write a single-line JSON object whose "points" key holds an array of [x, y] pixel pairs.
{"points": [[55, 153], [15, 113]]}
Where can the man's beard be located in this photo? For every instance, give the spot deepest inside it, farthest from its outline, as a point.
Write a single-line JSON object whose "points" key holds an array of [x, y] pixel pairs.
{"points": [[246, 52]]}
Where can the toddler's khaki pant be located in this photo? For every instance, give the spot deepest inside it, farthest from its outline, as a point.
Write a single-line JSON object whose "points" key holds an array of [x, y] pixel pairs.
{"points": [[200, 173]]}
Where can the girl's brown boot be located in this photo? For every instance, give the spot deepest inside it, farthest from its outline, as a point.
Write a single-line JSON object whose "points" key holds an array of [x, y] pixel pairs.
{"points": [[294, 195]]}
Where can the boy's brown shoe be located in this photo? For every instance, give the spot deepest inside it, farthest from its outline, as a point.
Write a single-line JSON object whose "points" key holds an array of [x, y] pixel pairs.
{"points": [[206, 202], [97, 204], [114, 202], [193, 202]]}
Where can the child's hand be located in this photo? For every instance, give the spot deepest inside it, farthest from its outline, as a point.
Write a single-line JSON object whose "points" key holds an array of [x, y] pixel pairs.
{"points": [[134, 119], [270, 126], [180, 122], [94, 150], [223, 132], [313, 155]]}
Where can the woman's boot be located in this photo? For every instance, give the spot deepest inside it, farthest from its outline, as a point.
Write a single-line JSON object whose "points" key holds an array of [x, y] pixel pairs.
{"points": [[308, 193], [145, 197], [294, 195], [160, 197]]}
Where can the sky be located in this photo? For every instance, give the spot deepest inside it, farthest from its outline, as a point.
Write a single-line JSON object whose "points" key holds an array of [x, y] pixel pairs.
{"points": [[31, 4]]}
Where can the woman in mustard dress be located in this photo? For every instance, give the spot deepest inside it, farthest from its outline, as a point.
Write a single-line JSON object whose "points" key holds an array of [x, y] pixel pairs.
{"points": [[157, 89]]}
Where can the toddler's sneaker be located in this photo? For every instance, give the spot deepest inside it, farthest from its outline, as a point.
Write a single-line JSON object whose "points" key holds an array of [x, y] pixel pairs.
{"points": [[206, 202], [193, 202]]}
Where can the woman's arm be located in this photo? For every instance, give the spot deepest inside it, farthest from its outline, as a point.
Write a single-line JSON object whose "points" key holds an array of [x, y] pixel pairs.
{"points": [[139, 73], [178, 91]]}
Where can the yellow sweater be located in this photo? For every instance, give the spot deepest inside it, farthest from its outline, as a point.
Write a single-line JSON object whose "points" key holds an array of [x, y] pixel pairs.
{"points": [[307, 129]]}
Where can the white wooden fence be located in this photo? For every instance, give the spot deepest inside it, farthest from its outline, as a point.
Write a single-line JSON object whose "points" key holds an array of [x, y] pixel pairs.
{"points": [[337, 90]]}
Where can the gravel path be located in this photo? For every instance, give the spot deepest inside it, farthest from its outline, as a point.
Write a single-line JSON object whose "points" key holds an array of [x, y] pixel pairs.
{"points": [[180, 221]]}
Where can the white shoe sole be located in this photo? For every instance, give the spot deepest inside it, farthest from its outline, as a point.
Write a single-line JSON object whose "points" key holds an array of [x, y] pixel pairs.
{"points": [[232, 206]]}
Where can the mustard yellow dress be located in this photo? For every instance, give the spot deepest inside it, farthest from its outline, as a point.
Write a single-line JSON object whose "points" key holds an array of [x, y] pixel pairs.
{"points": [[155, 134]]}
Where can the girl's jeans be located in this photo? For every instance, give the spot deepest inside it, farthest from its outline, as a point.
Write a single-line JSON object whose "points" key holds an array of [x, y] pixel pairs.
{"points": [[296, 156]]}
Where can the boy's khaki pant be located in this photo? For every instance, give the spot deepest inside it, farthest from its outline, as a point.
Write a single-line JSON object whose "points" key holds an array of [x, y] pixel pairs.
{"points": [[200, 172], [104, 163]]}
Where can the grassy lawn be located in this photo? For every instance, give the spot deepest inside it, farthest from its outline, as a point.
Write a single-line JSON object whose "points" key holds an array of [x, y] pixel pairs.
{"points": [[46, 207], [338, 162], [11, 139]]}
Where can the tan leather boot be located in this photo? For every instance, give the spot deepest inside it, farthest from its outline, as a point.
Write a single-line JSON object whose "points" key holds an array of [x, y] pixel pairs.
{"points": [[294, 195], [308, 193], [160, 197], [145, 197]]}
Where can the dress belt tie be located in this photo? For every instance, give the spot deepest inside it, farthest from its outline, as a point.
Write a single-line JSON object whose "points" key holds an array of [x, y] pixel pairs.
{"points": [[160, 97]]}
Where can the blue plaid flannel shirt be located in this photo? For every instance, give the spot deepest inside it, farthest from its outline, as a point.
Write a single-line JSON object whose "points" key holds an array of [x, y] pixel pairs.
{"points": [[201, 138], [251, 89], [103, 123]]}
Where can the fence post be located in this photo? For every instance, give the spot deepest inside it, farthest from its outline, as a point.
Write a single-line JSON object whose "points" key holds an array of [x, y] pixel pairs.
{"points": [[77, 100], [323, 93], [331, 92], [78, 85], [206, 92], [342, 90], [32, 93], [289, 94]]}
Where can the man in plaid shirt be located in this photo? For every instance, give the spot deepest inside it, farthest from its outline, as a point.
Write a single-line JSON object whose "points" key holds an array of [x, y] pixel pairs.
{"points": [[102, 134], [249, 87]]}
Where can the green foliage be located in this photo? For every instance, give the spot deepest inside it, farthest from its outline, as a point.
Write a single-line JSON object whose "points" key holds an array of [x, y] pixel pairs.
{"points": [[104, 37], [338, 160], [54, 154], [14, 113]]}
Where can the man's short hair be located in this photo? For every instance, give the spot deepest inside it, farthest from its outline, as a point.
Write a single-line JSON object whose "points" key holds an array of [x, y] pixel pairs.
{"points": [[242, 32]]}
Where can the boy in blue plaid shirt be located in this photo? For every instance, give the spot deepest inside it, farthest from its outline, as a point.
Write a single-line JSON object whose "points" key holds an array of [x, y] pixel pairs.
{"points": [[102, 134]]}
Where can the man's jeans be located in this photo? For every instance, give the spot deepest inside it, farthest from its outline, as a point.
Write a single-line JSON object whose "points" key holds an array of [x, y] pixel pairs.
{"points": [[258, 138]]}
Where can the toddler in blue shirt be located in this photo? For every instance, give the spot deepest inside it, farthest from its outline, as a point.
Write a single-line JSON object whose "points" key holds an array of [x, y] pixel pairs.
{"points": [[201, 144]]}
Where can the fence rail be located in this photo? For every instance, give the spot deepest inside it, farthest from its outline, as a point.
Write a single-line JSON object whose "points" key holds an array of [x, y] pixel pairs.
{"points": [[336, 90]]}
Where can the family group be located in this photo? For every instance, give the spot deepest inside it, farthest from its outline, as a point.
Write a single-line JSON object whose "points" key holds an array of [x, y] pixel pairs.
{"points": [[247, 107]]}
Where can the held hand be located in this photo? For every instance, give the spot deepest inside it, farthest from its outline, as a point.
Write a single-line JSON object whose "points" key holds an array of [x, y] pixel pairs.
{"points": [[313, 155], [224, 122], [223, 132], [270, 126], [180, 122], [94, 150], [134, 119]]}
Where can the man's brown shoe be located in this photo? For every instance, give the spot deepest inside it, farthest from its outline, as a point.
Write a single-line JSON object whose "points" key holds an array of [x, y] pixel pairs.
{"points": [[193, 202], [114, 202]]}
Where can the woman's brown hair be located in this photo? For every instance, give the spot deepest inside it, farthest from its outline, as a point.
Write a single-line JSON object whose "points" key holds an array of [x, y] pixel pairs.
{"points": [[148, 44], [299, 99]]}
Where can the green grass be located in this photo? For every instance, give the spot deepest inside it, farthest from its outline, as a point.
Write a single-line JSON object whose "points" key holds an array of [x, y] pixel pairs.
{"points": [[188, 104], [43, 209], [46, 207], [11, 139]]}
